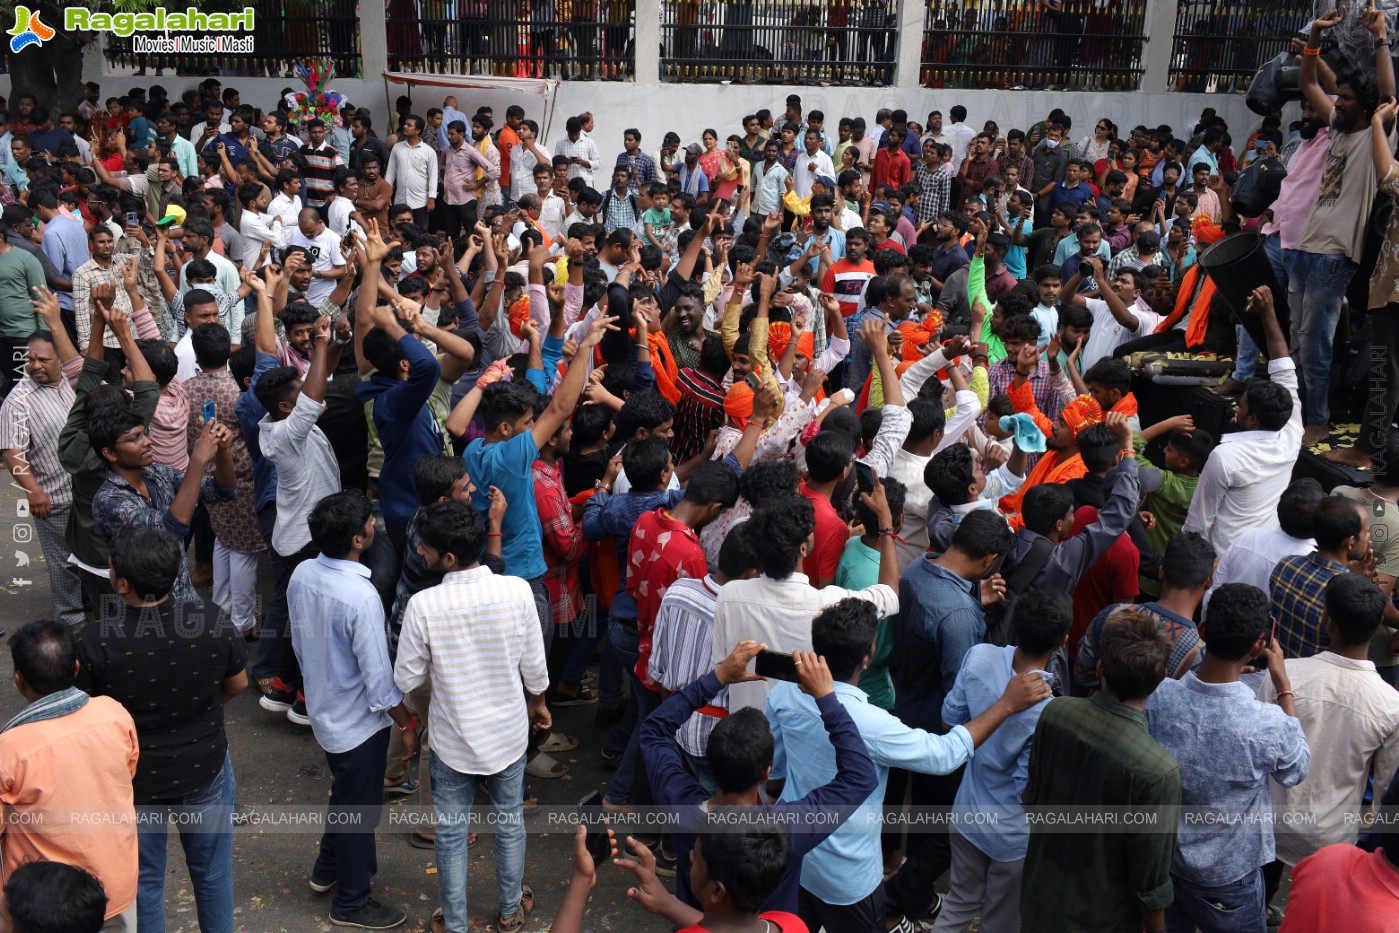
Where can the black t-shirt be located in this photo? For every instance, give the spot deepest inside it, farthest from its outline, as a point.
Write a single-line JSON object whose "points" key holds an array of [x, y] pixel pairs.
{"points": [[166, 664]]}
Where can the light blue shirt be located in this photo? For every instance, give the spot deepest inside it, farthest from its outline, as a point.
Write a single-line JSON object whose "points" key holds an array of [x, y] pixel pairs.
{"points": [[1201, 155], [65, 243], [1069, 245], [337, 631], [837, 240], [183, 151], [1228, 744], [15, 174], [847, 866], [988, 800], [770, 185]]}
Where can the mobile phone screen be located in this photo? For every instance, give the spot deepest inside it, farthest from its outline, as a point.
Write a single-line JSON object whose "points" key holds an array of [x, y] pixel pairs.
{"points": [[864, 476]]}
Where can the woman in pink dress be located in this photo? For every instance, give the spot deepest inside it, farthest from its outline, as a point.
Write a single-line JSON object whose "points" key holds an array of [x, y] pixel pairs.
{"points": [[719, 167]]}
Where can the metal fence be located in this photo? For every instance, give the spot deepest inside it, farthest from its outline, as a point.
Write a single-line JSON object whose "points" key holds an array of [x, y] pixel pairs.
{"points": [[849, 42], [570, 39], [1077, 45], [1219, 44], [284, 34]]}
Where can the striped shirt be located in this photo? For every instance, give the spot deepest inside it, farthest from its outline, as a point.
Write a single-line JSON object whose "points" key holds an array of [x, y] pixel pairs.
{"points": [[89, 274], [680, 651], [320, 164], [482, 660], [30, 421]]}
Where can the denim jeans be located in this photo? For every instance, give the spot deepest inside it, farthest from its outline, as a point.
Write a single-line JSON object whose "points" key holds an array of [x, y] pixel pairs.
{"points": [[1246, 362], [452, 796], [1317, 288], [347, 857], [641, 702], [1233, 907], [206, 832], [611, 683]]}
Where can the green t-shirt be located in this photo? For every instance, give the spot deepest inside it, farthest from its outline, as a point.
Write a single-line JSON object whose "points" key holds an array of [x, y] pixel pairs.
{"points": [[859, 568], [19, 272], [1169, 504]]}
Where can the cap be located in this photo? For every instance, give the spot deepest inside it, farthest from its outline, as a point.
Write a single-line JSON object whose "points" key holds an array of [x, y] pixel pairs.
{"points": [[174, 216], [827, 180], [880, 206], [1149, 239], [694, 149]]}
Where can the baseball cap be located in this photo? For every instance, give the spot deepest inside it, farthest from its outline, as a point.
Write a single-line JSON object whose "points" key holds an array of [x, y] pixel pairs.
{"points": [[694, 149], [174, 215], [827, 180]]}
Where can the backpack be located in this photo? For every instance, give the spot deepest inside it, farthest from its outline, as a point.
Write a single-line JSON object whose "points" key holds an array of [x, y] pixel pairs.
{"points": [[631, 199], [1018, 580]]}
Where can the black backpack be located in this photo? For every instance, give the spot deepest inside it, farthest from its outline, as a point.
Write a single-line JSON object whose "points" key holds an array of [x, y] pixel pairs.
{"points": [[1018, 579], [607, 199]]}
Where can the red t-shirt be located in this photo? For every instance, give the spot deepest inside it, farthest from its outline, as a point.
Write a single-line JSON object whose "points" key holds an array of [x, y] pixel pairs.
{"points": [[831, 535], [1111, 580], [847, 280], [1341, 887], [785, 923], [661, 551]]}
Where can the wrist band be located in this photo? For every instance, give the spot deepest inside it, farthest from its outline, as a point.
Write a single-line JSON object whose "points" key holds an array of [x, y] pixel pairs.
{"points": [[1308, 50], [886, 532], [494, 534], [1285, 693], [1381, 44], [411, 727]]}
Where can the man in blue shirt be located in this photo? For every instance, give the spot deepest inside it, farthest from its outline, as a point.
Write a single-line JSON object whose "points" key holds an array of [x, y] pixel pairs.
{"points": [[940, 619], [740, 753], [66, 244], [504, 456], [1074, 189], [840, 878], [987, 856], [1228, 746], [337, 629]]}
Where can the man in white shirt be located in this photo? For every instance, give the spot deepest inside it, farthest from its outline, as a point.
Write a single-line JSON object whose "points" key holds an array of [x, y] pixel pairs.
{"points": [[1119, 315], [777, 607], [413, 171], [582, 153], [287, 204], [477, 636], [526, 157], [1246, 473], [198, 239], [1256, 552], [811, 164], [552, 207], [961, 134], [323, 246]]}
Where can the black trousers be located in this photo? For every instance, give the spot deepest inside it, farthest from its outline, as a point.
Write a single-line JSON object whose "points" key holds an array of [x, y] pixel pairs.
{"points": [[347, 846], [911, 889], [1382, 392], [864, 916]]}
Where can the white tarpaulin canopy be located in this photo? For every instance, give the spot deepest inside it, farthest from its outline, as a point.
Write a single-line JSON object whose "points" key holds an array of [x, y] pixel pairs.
{"points": [[546, 88]]}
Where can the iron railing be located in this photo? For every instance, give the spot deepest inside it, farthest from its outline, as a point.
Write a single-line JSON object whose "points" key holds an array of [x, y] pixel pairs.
{"points": [[570, 39], [1078, 45], [1219, 44], [849, 42], [284, 34]]}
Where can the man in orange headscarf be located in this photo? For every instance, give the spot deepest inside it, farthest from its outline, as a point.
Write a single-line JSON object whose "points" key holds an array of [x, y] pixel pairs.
{"points": [[1062, 463], [1109, 381]]}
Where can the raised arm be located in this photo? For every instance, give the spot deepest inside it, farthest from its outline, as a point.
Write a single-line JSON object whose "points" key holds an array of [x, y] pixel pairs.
{"points": [[1307, 77], [566, 395]]}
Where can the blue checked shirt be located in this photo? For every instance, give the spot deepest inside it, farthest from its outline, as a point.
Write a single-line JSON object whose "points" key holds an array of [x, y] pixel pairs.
{"points": [[1298, 589]]}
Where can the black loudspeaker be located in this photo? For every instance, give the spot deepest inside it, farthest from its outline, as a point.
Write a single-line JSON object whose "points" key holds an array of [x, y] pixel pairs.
{"points": [[1274, 84], [1237, 265]]}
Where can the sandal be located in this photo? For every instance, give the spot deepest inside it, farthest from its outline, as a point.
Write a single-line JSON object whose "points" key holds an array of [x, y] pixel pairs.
{"points": [[515, 921], [545, 767], [584, 696], [558, 742]]}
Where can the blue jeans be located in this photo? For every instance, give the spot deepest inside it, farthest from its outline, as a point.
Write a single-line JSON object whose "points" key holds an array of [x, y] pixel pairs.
{"points": [[346, 856], [452, 795], [1317, 288], [703, 773], [1246, 362], [610, 681], [206, 832], [641, 702], [1233, 907]]}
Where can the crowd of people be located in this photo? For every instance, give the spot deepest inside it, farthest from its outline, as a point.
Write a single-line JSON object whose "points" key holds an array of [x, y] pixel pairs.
{"points": [[807, 453]]}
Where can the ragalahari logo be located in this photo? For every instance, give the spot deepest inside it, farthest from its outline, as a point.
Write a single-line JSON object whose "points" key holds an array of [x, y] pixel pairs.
{"points": [[29, 30]]}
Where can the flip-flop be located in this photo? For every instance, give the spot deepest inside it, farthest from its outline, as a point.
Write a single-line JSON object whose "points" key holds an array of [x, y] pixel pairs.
{"points": [[558, 742], [544, 767]]}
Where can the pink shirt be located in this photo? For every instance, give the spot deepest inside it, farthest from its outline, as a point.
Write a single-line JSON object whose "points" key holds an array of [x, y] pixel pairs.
{"points": [[169, 428], [1299, 189]]}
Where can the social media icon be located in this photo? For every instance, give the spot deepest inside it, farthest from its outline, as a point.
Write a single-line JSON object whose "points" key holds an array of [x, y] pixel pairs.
{"points": [[22, 508], [23, 534], [21, 558]]}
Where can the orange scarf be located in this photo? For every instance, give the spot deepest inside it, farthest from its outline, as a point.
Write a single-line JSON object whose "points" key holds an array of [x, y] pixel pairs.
{"points": [[1022, 400], [1200, 317], [1048, 470], [1127, 405], [664, 365]]}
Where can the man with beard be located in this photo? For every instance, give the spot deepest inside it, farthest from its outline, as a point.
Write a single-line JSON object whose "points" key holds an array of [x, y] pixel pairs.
{"points": [[1333, 239], [1286, 217], [822, 212], [467, 173], [847, 277]]}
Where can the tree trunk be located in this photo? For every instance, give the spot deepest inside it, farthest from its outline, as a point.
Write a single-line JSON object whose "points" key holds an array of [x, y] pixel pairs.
{"points": [[53, 73]]}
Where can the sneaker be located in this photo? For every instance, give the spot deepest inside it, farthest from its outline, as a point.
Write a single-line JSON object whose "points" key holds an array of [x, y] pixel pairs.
{"points": [[372, 916], [297, 711], [608, 716], [279, 696], [402, 789], [665, 858], [319, 886]]}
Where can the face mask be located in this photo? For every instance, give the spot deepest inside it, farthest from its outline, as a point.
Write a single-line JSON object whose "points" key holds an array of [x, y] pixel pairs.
{"points": [[1051, 143]]}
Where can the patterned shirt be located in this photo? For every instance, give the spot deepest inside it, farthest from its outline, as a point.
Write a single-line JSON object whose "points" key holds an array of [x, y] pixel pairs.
{"points": [[89, 274], [564, 543], [31, 419], [614, 516], [661, 551], [118, 505], [642, 166], [234, 523], [585, 149], [1000, 376], [1297, 587], [681, 642], [699, 411], [620, 213], [315, 176], [935, 190]]}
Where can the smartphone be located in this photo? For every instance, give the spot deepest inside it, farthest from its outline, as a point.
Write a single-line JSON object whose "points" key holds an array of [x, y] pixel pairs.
{"points": [[210, 412], [776, 665], [591, 811], [753, 381], [133, 218], [864, 476]]}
